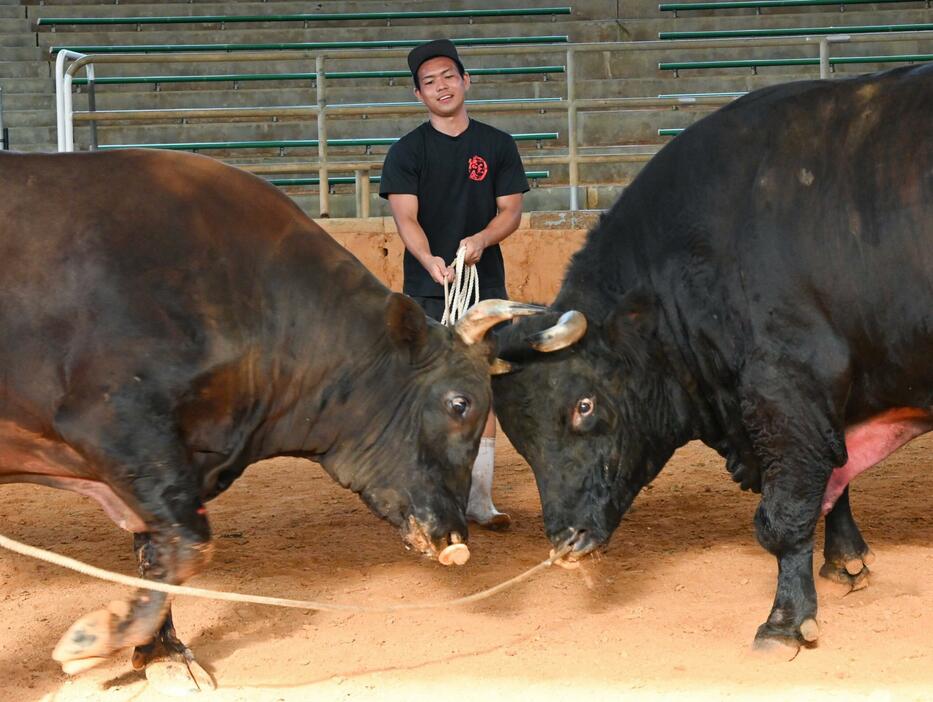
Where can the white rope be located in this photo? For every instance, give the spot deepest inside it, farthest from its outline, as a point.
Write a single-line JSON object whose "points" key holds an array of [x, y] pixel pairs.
{"points": [[465, 293], [94, 572]]}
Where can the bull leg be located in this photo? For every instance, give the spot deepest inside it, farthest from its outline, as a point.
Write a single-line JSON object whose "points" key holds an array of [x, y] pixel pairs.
{"points": [[136, 621], [846, 554], [790, 412], [128, 440], [785, 522], [169, 664]]}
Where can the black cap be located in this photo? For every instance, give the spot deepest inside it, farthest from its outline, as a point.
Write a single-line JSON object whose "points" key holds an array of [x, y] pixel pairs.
{"points": [[423, 52]]}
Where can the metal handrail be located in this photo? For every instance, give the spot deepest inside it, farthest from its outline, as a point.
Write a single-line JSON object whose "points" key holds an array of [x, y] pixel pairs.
{"points": [[796, 31], [322, 110], [753, 4], [756, 63], [303, 45], [295, 143], [336, 75], [306, 17], [343, 180], [398, 108]]}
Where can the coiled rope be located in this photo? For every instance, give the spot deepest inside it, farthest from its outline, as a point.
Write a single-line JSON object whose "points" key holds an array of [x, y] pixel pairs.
{"points": [[129, 581], [465, 293]]}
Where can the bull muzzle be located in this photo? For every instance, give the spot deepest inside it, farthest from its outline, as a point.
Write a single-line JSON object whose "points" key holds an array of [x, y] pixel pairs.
{"points": [[579, 544], [449, 550]]}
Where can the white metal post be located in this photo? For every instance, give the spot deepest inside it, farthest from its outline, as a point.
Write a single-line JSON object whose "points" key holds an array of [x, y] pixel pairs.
{"points": [[324, 188], [60, 100], [824, 58], [573, 175], [825, 68]]}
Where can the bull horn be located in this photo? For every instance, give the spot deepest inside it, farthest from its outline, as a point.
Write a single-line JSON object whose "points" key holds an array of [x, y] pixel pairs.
{"points": [[569, 329], [484, 315]]}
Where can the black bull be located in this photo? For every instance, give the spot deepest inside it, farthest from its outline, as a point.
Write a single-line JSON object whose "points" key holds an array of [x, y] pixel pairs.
{"points": [[167, 321], [765, 285]]}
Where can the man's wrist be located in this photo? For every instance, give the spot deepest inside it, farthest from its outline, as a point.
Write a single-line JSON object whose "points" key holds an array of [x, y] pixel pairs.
{"points": [[424, 258]]}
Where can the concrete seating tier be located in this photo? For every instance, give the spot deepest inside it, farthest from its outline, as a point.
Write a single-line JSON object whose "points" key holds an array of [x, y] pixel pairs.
{"points": [[719, 5], [305, 18], [797, 31], [27, 90], [301, 45]]}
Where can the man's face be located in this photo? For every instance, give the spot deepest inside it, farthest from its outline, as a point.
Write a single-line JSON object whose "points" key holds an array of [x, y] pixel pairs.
{"points": [[442, 88]]}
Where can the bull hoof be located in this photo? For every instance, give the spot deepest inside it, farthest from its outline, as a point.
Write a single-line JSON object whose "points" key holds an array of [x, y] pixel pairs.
{"points": [[775, 650], [80, 665], [170, 665], [844, 575], [86, 643], [494, 520], [179, 678], [783, 642]]}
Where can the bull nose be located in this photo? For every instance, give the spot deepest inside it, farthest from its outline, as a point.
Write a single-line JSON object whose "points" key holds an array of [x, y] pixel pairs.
{"points": [[583, 542], [449, 549], [573, 544]]}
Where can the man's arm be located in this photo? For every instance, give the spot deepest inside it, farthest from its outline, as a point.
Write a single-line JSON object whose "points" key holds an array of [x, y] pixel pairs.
{"points": [[506, 221], [405, 213]]}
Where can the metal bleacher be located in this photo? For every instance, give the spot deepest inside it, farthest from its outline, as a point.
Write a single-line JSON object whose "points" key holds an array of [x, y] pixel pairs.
{"points": [[592, 89], [287, 143], [841, 41]]}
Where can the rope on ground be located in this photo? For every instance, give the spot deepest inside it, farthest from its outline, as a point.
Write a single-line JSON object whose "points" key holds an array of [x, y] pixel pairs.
{"points": [[129, 581], [465, 293]]}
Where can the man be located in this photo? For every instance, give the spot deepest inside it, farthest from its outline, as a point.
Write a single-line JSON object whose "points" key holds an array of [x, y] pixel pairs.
{"points": [[454, 182]]}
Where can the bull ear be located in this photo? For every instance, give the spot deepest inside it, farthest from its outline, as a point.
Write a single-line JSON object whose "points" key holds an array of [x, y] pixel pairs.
{"points": [[635, 318], [406, 324], [499, 367]]}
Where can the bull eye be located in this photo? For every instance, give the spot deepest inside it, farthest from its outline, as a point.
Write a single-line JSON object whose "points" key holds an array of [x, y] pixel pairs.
{"points": [[585, 406], [458, 406]]}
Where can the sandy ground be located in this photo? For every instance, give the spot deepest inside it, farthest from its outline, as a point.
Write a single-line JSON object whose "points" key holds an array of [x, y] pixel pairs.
{"points": [[669, 612]]}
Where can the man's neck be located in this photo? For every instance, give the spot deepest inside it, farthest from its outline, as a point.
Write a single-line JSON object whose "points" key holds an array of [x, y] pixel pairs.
{"points": [[455, 125]]}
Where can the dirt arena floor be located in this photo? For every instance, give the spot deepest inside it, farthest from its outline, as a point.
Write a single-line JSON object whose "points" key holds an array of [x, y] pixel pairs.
{"points": [[668, 613]]}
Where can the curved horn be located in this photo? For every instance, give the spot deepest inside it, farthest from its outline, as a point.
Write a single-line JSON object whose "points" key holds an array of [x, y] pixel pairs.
{"points": [[499, 367], [568, 330], [483, 316]]}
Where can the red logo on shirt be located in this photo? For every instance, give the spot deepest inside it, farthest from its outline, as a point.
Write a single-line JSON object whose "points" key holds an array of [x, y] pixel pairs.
{"points": [[477, 168]]}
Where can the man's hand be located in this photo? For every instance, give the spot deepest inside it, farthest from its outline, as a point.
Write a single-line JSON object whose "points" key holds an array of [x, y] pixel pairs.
{"points": [[438, 269], [474, 246]]}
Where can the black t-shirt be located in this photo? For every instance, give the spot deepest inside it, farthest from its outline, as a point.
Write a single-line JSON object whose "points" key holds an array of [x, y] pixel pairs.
{"points": [[457, 180]]}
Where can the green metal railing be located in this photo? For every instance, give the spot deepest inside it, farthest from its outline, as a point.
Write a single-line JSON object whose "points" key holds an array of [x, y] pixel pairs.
{"points": [[732, 94], [323, 111], [795, 31], [305, 17], [342, 180], [294, 143], [302, 45], [742, 4], [759, 63], [670, 131], [339, 75]]}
